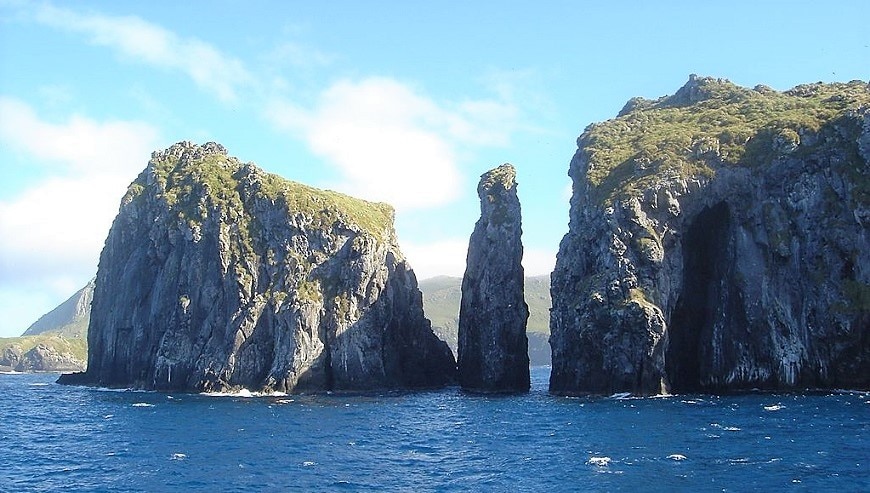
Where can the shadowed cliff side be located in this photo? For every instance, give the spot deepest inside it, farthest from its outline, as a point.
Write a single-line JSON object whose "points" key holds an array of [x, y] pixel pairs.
{"points": [[718, 241], [493, 348], [218, 276]]}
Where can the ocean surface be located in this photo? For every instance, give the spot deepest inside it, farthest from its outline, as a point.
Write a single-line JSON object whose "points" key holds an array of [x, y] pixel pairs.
{"points": [[82, 439]]}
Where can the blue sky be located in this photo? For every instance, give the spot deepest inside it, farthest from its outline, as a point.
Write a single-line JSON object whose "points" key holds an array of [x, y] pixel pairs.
{"points": [[406, 102]]}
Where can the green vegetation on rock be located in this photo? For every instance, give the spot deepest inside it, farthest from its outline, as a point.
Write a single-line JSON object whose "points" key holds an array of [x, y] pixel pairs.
{"points": [[198, 181], [504, 175], [329, 207], [709, 122], [77, 347]]}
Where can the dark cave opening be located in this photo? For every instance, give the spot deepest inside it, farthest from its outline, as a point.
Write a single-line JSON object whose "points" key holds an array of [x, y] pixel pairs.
{"points": [[705, 257]]}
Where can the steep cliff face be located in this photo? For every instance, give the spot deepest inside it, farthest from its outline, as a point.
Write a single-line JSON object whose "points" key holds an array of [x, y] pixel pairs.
{"points": [[493, 353], [216, 275], [718, 241]]}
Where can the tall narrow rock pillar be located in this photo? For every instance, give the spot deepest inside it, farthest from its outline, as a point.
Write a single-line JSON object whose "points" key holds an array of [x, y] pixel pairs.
{"points": [[493, 348]]}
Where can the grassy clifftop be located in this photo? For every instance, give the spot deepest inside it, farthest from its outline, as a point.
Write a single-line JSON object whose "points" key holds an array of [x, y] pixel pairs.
{"points": [[708, 123], [197, 180]]}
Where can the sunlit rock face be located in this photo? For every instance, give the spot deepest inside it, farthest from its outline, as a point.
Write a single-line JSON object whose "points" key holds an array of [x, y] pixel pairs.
{"points": [[217, 276], [493, 348], [718, 241]]}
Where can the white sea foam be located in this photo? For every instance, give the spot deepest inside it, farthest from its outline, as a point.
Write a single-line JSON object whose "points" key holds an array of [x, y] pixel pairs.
{"points": [[39, 384], [677, 457], [599, 461], [143, 404], [107, 389], [244, 393], [621, 395]]}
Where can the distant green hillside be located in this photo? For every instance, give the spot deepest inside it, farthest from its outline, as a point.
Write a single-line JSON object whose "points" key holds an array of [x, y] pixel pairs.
{"points": [[43, 352], [55, 342], [70, 318], [442, 295]]}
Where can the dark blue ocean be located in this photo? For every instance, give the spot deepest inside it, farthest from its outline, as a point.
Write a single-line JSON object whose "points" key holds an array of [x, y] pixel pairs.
{"points": [[81, 439]]}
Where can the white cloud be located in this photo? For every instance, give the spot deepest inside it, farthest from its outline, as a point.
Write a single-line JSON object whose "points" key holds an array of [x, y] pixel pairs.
{"points": [[538, 261], [133, 37], [441, 258], [51, 233], [81, 145], [391, 143]]}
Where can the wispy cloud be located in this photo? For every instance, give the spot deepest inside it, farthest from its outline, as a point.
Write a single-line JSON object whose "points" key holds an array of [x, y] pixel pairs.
{"points": [[142, 41], [298, 55], [392, 143], [53, 230]]}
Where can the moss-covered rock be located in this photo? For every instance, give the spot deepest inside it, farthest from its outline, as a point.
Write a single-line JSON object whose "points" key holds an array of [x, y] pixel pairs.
{"points": [[708, 124], [217, 275], [718, 241]]}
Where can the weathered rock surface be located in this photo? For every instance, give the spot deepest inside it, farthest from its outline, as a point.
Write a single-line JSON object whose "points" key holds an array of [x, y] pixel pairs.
{"points": [[10, 356], [46, 358], [493, 348], [51, 354], [218, 276], [718, 241]]}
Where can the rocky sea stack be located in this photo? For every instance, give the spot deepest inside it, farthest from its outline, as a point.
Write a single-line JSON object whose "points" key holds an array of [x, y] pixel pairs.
{"points": [[718, 241], [493, 353], [218, 276]]}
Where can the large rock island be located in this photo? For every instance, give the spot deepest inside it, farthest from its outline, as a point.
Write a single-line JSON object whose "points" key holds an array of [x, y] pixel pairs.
{"points": [[493, 353], [218, 276], [718, 241]]}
